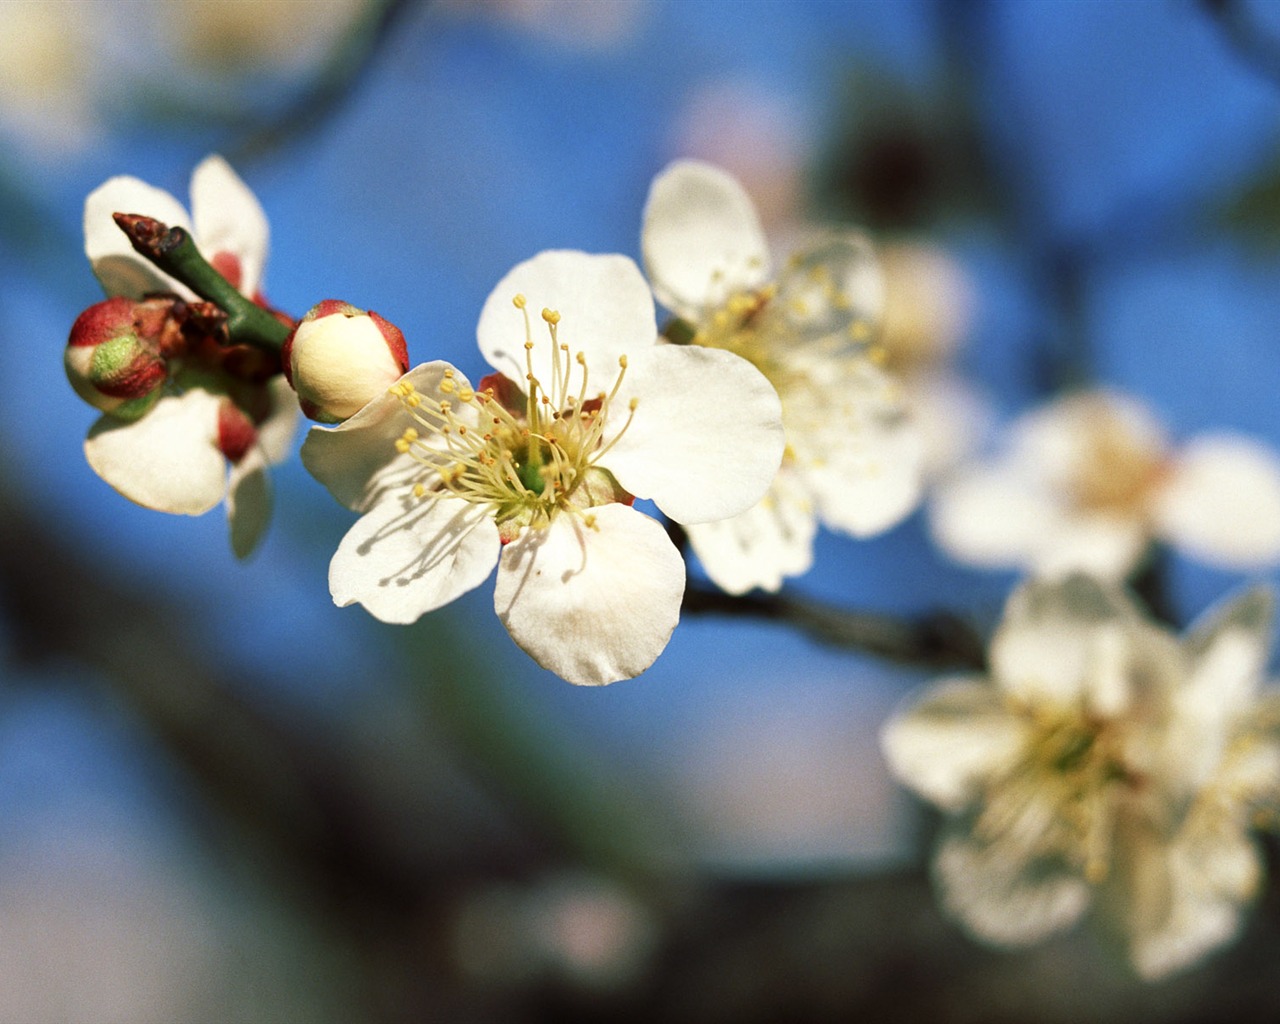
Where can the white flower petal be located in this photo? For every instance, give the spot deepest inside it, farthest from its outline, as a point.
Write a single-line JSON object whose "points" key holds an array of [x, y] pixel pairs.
{"points": [[1183, 899], [248, 503], [951, 415], [760, 547], [592, 604], [1005, 900], [953, 740], [405, 557], [1056, 442], [991, 517], [119, 269], [168, 460], [1056, 636], [276, 432], [706, 439], [357, 460], [1222, 502], [1227, 651], [605, 309], [701, 239], [871, 484], [1106, 547], [829, 286], [228, 218]]}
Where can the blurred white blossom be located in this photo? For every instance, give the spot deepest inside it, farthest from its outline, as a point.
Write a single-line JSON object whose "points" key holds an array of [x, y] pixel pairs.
{"points": [[852, 459], [1087, 481], [1104, 763]]}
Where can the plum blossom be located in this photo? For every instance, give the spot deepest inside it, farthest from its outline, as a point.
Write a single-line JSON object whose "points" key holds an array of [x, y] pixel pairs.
{"points": [[852, 459], [1106, 764], [1089, 480], [223, 415], [534, 469]]}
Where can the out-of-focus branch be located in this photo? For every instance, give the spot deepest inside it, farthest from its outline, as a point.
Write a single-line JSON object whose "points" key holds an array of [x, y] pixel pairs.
{"points": [[934, 640], [1247, 38], [307, 803]]}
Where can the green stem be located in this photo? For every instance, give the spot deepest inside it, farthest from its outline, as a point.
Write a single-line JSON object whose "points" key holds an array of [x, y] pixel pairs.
{"points": [[173, 251]]}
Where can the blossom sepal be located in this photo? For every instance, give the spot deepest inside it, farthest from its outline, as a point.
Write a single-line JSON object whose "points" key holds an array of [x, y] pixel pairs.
{"points": [[339, 358]]}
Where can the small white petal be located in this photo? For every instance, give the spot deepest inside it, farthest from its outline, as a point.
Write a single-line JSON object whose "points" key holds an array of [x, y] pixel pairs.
{"points": [[829, 286], [406, 557], [1184, 898], [357, 460], [592, 604], [248, 503], [951, 416], [1227, 650], [701, 239], [951, 741], [1222, 502], [168, 460], [119, 269], [276, 432], [605, 310], [1004, 899], [762, 546], [1055, 636], [872, 484], [706, 439], [1056, 442], [229, 218], [991, 518], [1105, 546]]}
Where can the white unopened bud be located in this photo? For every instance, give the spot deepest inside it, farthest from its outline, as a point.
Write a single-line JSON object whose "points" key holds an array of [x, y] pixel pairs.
{"points": [[339, 358]]}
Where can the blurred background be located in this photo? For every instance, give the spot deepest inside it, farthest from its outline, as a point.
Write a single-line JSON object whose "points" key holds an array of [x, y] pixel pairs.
{"points": [[222, 798]]}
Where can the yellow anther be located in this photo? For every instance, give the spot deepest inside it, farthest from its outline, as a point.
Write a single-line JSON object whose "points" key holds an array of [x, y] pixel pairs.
{"points": [[462, 428], [410, 434], [419, 490], [402, 446], [633, 403], [518, 300], [528, 345], [445, 406], [589, 520], [622, 361], [413, 400], [447, 385], [581, 359], [466, 394], [551, 316]]}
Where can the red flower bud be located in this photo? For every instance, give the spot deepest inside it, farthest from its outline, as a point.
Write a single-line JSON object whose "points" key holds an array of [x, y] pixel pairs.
{"points": [[115, 356]]}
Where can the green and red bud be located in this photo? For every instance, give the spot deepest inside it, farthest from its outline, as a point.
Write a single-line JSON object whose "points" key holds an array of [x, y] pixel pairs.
{"points": [[339, 358], [116, 354]]}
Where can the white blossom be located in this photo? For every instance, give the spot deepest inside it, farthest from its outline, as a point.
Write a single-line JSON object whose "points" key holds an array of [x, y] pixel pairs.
{"points": [[535, 468], [1087, 481], [210, 436], [852, 460], [1103, 763]]}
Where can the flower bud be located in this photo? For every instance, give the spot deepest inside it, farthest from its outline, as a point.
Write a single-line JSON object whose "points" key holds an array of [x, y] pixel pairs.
{"points": [[339, 358], [114, 358]]}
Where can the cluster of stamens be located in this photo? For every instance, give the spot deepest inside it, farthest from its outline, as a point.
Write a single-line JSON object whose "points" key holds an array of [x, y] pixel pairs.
{"points": [[760, 325], [524, 460], [1059, 797]]}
